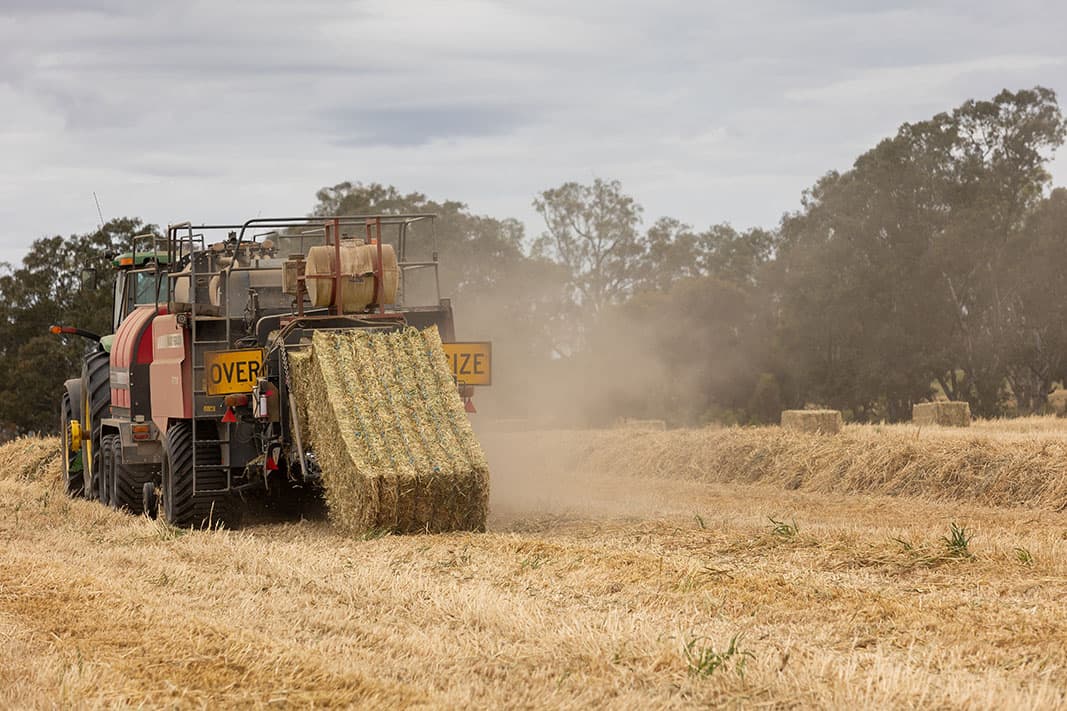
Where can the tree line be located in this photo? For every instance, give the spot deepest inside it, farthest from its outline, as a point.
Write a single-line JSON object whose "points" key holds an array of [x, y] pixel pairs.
{"points": [[933, 267]]}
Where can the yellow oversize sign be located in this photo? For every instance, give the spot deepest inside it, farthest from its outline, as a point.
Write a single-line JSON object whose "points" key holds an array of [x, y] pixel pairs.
{"points": [[471, 362], [232, 371]]}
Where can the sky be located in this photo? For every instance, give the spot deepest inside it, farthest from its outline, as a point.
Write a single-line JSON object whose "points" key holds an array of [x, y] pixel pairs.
{"points": [[705, 111]]}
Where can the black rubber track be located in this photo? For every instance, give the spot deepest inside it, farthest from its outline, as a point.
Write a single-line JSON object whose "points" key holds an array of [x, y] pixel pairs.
{"points": [[127, 480], [96, 374], [73, 481], [181, 507]]}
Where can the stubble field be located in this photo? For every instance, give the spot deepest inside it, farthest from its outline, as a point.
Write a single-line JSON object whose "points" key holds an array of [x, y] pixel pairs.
{"points": [[622, 569]]}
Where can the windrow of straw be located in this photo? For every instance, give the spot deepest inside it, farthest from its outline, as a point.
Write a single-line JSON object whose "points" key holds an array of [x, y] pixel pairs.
{"points": [[382, 414], [934, 463], [31, 459]]}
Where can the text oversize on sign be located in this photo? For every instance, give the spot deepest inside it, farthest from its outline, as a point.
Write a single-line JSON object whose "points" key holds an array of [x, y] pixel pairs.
{"points": [[471, 362]]}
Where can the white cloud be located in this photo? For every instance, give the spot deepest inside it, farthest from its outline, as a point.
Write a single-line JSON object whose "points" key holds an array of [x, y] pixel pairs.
{"points": [[707, 111], [921, 82]]}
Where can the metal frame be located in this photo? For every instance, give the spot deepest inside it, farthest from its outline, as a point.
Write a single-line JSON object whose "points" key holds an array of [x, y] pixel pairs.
{"points": [[185, 240]]}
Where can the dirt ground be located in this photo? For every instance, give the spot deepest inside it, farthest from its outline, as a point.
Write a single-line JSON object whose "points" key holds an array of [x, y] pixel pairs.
{"points": [[591, 589]]}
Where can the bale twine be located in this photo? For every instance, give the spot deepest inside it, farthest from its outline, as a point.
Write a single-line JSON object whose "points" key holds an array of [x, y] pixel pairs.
{"points": [[382, 414], [818, 421], [945, 414]]}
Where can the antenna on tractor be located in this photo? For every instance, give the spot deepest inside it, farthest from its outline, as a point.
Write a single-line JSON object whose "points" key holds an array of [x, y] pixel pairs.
{"points": [[99, 212]]}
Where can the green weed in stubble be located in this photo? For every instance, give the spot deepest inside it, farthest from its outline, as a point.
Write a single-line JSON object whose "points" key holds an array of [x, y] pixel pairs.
{"points": [[906, 545], [702, 659], [1023, 556], [533, 562], [374, 534], [957, 542], [783, 529]]}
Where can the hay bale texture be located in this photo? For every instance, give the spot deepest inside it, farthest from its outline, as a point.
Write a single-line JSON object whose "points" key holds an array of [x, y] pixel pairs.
{"points": [[945, 414], [1057, 402], [397, 451], [816, 421]]}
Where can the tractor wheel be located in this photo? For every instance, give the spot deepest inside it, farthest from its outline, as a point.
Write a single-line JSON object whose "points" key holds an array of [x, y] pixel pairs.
{"points": [[181, 506], [96, 404], [72, 467], [127, 480], [107, 469], [150, 500]]}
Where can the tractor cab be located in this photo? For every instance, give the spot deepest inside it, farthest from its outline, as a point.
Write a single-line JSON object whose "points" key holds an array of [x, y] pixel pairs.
{"points": [[141, 281]]}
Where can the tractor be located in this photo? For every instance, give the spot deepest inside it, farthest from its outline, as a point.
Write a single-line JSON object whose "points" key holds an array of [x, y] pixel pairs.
{"points": [[188, 407]]}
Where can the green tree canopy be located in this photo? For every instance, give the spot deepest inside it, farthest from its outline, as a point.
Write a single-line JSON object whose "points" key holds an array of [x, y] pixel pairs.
{"points": [[47, 289], [899, 271], [593, 232]]}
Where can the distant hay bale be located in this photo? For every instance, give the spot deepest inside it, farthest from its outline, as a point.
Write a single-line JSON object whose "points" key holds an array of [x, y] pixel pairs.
{"points": [[815, 421], [382, 414], [945, 414], [630, 423], [1057, 402]]}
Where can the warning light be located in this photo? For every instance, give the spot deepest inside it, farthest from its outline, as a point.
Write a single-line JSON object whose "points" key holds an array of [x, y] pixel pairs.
{"points": [[230, 416], [236, 400]]}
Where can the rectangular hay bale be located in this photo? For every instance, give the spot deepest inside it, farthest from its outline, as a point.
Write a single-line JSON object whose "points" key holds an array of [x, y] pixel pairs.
{"points": [[1057, 402], [383, 417], [945, 414], [818, 421]]}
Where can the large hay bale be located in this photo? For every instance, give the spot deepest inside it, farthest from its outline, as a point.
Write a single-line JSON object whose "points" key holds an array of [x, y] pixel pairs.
{"points": [[945, 414], [820, 421], [382, 414]]}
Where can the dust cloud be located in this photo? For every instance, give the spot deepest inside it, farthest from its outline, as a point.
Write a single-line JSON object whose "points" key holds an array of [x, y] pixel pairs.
{"points": [[544, 394], [539, 474]]}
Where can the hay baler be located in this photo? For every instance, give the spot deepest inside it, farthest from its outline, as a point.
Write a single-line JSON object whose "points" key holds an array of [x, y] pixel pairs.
{"points": [[188, 405]]}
